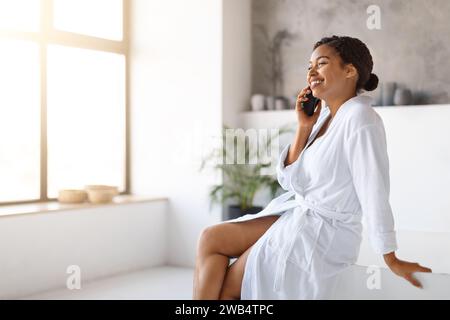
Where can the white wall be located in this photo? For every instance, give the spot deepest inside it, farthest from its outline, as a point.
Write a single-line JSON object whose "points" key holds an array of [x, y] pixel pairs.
{"points": [[237, 60], [419, 154], [37, 248], [176, 103], [236, 63]]}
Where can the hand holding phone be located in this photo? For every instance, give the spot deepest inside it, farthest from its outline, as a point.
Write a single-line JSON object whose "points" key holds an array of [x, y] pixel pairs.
{"points": [[307, 108], [310, 105]]}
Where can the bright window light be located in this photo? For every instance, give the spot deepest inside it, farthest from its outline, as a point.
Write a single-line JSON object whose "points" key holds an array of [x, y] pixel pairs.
{"points": [[86, 118], [98, 18], [20, 15], [19, 121]]}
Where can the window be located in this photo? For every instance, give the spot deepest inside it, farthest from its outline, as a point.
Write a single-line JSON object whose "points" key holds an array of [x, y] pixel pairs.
{"points": [[14, 16], [63, 97], [19, 120], [101, 18]]}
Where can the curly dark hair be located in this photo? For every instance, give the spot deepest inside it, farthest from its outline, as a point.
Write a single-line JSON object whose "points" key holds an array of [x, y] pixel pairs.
{"points": [[354, 51]]}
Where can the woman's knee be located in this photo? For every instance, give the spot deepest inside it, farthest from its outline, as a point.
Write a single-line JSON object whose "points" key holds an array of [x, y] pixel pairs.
{"points": [[233, 238], [209, 239]]}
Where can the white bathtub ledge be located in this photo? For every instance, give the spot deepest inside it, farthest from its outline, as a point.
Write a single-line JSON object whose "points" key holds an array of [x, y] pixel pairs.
{"points": [[353, 285]]}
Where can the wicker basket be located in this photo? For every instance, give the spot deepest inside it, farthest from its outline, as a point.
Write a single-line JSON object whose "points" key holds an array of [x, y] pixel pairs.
{"points": [[101, 193], [72, 196]]}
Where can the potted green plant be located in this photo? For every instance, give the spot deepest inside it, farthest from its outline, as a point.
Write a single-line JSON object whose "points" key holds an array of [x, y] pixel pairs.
{"points": [[241, 182]]}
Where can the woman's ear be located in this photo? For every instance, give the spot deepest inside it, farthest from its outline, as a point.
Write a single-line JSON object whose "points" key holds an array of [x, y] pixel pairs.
{"points": [[350, 71]]}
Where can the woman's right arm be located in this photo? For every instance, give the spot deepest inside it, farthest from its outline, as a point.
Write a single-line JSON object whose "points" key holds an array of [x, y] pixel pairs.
{"points": [[300, 139], [304, 128]]}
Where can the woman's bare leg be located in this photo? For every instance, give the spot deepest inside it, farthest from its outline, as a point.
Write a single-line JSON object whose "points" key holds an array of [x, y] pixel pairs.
{"points": [[231, 289], [216, 245]]}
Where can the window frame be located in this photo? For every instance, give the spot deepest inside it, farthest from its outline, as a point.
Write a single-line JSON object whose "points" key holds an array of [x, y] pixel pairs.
{"points": [[48, 35]]}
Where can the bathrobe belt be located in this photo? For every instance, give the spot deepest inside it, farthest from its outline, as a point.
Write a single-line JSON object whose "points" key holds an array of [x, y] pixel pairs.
{"points": [[282, 203]]}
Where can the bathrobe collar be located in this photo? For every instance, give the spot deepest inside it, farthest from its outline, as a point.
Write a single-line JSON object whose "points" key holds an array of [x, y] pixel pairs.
{"points": [[361, 101], [347, 106]]}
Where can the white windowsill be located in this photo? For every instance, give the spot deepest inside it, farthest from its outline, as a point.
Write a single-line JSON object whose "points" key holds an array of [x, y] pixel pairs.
{"points": [[52, 206]]}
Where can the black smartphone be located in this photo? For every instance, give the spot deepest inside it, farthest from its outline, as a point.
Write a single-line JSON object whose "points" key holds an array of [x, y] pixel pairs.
{"points": [[310, 105]]}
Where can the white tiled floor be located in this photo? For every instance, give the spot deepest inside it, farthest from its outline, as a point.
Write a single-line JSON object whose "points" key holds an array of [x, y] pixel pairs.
{"points": [[159, 283]]}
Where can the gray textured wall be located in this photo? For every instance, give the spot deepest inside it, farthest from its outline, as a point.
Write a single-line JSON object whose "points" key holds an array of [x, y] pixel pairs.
{"points": [[412, 47]]}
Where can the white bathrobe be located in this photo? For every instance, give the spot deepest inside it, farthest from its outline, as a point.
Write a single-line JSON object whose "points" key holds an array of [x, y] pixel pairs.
{"points": [[341, 177]]}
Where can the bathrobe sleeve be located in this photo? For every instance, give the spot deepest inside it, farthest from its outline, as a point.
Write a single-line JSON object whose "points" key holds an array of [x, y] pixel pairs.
{"points": [[284, 172], [369, 167]]}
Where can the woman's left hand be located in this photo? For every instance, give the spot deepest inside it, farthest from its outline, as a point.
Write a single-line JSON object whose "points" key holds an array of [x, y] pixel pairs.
{"points": [[405, 269]]}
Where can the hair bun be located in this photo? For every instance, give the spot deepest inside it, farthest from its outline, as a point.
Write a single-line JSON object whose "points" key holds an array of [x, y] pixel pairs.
{"points": [[372, 83]]}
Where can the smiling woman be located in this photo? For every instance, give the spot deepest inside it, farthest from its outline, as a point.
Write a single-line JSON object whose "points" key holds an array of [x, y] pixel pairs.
{"points": [[299, 248], [337, 66], [353, 54]]}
